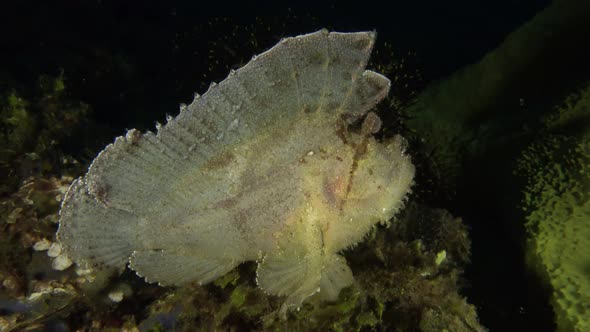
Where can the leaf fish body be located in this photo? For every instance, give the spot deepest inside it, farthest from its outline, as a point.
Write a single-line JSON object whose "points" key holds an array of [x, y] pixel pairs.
{"points": [[263, 167]]}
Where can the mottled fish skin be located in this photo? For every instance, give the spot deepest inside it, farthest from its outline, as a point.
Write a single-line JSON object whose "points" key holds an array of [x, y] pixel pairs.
{"points": [[263, 167]]}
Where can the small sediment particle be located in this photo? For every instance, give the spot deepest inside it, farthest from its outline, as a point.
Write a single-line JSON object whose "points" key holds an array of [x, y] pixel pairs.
{"points": [[54, 250], [61, 263], [42, 245]]}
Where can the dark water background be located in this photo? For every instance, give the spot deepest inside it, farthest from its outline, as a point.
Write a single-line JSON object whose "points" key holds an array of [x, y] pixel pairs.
{"points": [[134, 61]]}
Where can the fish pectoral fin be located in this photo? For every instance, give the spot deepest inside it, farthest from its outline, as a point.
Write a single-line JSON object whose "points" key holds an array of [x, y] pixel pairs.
{"points": [[289, 274], [169, 267], [335, 275]]}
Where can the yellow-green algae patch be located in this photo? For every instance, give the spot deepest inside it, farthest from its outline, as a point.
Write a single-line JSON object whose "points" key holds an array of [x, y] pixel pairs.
{"points": [[557, 206]]}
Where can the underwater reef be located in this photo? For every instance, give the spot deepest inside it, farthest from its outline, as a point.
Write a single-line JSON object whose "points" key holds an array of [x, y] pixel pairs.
{"points": [[497, 101], [500, 208], [494, 139]]}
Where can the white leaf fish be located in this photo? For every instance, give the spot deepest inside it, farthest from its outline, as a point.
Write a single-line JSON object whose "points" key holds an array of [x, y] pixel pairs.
{"points": [[262, 167]]}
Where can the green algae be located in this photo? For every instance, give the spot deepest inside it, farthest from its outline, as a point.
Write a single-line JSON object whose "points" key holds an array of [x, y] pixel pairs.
{"points": [[495, 103], [556, 204], [32, 127]]}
